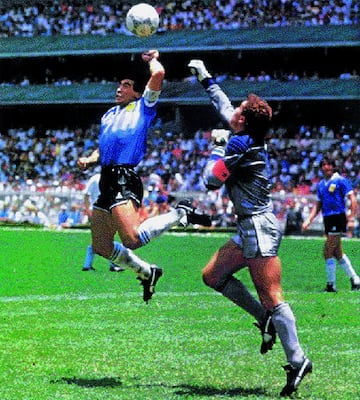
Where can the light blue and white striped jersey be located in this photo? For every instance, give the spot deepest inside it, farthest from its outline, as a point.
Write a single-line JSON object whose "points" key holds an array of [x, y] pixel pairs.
{"points": [[123, 132]]}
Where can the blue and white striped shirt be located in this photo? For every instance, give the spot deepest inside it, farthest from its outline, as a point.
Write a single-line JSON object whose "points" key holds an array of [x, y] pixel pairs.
{"points": [[123, 132]]}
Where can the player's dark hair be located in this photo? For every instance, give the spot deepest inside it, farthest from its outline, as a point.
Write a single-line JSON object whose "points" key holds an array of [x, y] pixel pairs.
{"points": [[327, 160], [138, 71], [140, 83], [258, 114]]}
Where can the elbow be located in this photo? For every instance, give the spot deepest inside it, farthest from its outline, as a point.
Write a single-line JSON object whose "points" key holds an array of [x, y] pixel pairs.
{"points": [[159, 74]]}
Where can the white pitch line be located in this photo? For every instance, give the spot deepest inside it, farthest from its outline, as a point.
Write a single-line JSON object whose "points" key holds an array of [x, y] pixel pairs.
{"points": [[85, 297]]}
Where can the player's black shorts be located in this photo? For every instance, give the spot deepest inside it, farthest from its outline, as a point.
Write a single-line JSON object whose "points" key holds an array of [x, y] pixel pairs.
{"points": [[118, 184], [335, 224]]}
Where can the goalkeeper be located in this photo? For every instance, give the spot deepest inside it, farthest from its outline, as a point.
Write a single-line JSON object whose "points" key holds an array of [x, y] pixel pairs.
{"points": [[239, 161]]}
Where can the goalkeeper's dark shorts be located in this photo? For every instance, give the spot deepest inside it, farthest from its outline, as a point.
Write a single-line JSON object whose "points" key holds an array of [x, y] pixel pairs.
{"points": [[118, 184]]}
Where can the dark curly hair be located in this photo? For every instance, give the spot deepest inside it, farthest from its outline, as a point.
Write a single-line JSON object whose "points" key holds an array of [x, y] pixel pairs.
{"points": [[327, 160], [137, 71]]}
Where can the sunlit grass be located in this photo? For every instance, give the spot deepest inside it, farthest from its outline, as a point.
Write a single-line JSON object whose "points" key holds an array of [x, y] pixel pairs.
{"points": [[68, 334]]}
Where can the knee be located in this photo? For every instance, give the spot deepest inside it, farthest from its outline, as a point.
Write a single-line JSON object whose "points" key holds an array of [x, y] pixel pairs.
{"points": [[131, 242], [101, 250], [213, 280], [207, 279]]}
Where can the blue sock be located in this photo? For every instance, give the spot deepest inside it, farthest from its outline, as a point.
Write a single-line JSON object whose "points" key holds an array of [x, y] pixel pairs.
{"points": [[330, 266], [89, 257]]}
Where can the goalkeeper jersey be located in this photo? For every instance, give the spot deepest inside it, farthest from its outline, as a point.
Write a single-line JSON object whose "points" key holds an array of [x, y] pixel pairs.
{"points": [[249, 183]]}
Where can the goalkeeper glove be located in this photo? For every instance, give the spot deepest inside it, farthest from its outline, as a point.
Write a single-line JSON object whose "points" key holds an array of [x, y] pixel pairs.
{"points": [[198, 69], [220, 137]]}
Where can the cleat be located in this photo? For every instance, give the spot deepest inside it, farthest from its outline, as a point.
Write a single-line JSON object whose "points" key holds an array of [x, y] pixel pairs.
{"points": [[149, 284], [295, 376], [88, 269], [114, 268], [192, 216], [354, 286], [268, 334], [330, 288]]}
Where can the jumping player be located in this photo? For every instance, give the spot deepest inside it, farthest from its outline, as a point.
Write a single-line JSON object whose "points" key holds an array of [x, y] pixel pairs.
{"points": [[122, 145]]}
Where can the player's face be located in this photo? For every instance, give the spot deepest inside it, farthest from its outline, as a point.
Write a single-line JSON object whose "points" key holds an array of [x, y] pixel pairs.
{"points": [[125, 93], [237, 121], [327, 169]]}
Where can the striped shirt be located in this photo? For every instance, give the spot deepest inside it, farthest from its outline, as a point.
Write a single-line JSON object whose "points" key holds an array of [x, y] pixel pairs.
{"points": [[123, 131]]}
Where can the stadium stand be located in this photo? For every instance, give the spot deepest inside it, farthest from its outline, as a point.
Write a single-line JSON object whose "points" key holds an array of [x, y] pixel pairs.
{"points": [[58, 69], [41, 18]]}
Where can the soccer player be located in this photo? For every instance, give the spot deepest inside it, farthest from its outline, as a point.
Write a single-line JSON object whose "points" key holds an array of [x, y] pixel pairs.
{"points": [[333, 192], [122, 145], [239, 160], [91, 193]]}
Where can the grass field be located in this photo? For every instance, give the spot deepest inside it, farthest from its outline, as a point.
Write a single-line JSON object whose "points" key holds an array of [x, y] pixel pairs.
{"points": [[68, 334]]}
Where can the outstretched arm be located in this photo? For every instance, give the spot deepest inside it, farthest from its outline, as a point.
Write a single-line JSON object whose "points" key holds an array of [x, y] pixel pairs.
{"points": [[157, 71], [218, 98]]}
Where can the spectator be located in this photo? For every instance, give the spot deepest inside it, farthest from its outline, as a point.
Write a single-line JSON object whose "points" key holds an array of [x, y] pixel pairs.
{"points": [[62, 216], [294, 219]]}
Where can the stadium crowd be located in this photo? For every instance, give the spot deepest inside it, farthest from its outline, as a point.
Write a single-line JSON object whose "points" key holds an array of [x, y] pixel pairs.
{"points": [[39, 177], [80, 17]]}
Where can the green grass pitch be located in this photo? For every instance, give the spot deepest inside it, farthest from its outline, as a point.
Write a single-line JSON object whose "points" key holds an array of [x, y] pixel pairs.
{"points": [[68, 334]]}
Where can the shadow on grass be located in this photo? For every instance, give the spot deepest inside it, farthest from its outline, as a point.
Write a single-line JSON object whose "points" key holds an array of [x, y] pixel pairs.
{"points": [[90, 383], [180, 390], [188, 390]]}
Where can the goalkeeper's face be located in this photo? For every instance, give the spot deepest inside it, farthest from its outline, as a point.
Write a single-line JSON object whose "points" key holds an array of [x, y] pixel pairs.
{"points": [[126, 93], [237, 121]]}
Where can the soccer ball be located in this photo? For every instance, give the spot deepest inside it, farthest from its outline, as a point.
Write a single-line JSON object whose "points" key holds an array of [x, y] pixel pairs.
{"points": [[142, 20]]}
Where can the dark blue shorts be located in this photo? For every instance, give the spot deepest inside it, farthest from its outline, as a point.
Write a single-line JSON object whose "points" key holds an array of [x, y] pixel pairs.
{"points": [[335, 224]]}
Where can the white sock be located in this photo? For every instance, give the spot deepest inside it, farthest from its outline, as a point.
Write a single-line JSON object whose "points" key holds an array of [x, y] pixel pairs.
{"points": [[155, 226], [345, 263], [125, 258], [330, 265]]}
